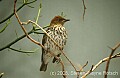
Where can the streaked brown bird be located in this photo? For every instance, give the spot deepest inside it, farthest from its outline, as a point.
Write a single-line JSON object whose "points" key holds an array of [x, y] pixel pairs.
{"points": [[57, 32]]}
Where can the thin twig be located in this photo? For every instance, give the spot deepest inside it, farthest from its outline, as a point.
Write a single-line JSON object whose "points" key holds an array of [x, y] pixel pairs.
{"points": [[21, 51], [83, 66], [38, 15], [8, 22], [84, 9], [38, 33], [99, 63], [81, 69], [108, 61]]}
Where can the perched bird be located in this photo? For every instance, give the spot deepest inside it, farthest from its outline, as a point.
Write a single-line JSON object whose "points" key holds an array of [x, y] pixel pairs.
{"points": [[57, 32]]}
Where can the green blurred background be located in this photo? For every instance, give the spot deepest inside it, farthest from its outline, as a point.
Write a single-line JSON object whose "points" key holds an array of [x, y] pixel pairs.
{"points": [[87, 40]]}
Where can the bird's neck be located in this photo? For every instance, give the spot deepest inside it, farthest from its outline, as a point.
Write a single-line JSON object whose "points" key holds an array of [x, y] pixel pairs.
{"points": [[56, 25]]}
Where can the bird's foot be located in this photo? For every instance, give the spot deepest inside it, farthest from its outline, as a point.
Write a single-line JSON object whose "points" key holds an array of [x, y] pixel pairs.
{"points": [[58, 61]]}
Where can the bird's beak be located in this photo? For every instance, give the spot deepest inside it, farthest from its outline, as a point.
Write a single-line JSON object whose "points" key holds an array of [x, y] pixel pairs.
{"points": [[67, 20]]}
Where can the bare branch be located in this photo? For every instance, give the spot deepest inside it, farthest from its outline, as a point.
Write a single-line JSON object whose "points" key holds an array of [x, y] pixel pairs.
{"points": [[84, 66], [104, 60], [8, 22], [99, 63], [81, 69], [84, 8], [108, 61], [22, 51]]}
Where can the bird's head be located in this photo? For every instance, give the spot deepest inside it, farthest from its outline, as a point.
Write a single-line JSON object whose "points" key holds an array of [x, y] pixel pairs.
{"points": [[58, 20]]}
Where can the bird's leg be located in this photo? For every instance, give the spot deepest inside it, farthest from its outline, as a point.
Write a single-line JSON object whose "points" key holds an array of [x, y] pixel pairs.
{"points": [[58, 60]]}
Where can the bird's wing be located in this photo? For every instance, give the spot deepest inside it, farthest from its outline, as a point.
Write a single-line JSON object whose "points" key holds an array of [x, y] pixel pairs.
{"points": [[43, 42]]}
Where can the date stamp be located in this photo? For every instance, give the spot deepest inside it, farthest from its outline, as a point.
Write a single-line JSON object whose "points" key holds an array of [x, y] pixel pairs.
{"points": [[53, 73]]}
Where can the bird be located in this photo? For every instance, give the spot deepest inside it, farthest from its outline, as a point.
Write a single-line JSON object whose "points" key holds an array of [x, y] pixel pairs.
{"points": [[58, 33]]}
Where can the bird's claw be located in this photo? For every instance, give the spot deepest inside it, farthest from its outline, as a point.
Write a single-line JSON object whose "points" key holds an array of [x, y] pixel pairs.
{"points": [[58, 61]]}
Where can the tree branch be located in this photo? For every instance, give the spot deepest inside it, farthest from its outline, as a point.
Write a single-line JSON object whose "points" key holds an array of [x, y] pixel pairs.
{"points": [[102, 61], [8, 22], [22, 51], [108, 61], [84, 9]]}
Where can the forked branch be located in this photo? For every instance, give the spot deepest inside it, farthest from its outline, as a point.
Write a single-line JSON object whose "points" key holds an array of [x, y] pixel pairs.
{"points": [[108, 61], [103, 60]]}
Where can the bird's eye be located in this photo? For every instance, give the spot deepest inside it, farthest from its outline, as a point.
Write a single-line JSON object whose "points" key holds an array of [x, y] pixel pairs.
{"points": [[61, 20]]}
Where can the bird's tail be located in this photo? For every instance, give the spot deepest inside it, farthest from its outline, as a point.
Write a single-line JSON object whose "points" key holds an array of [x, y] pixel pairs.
{"points": [[43, 67]]}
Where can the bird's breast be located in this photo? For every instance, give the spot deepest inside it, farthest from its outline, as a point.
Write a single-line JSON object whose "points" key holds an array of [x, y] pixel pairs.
{"points": [[59, 35]]}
